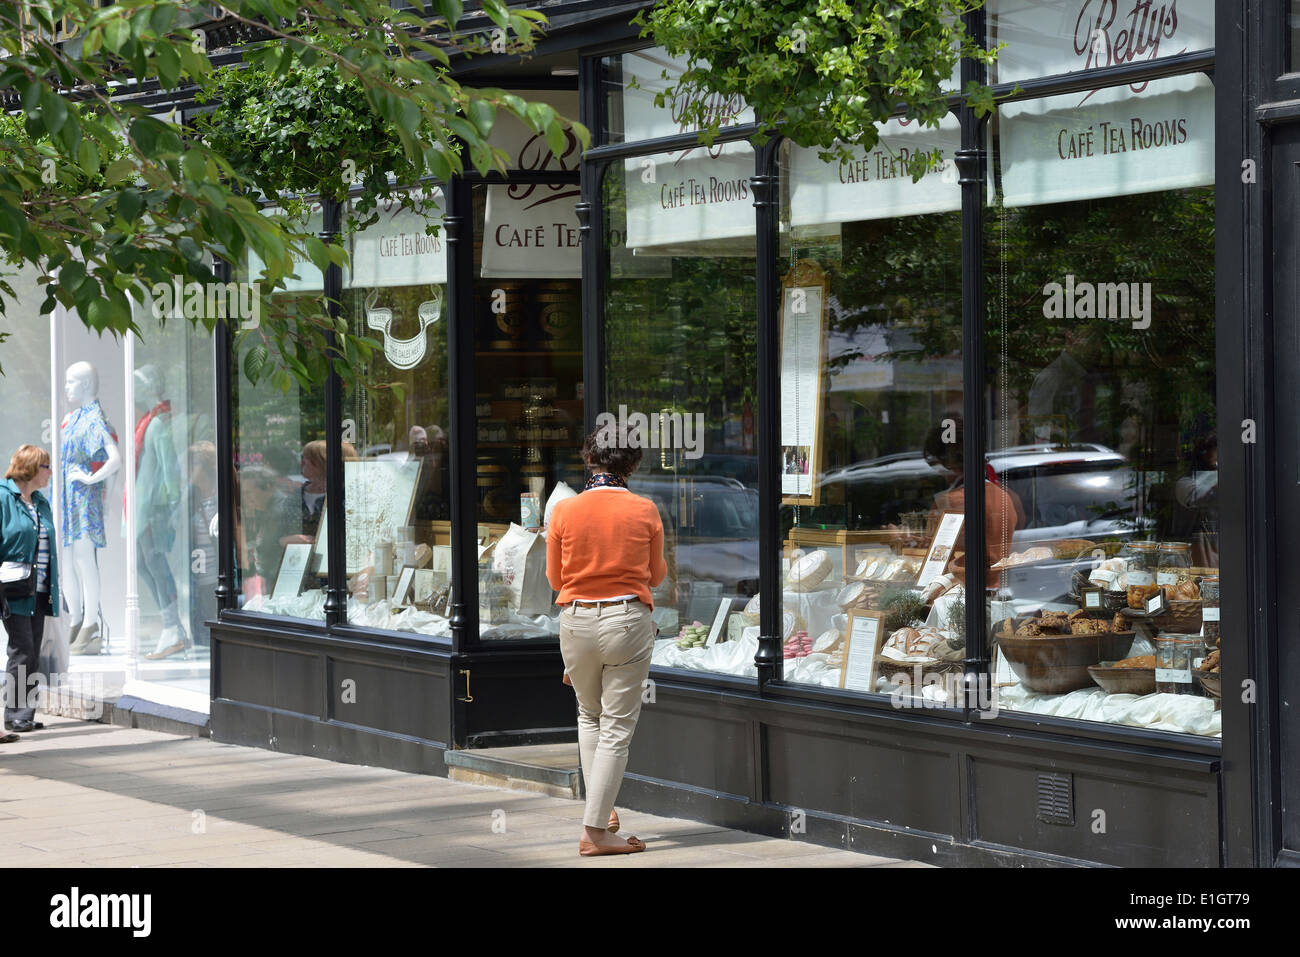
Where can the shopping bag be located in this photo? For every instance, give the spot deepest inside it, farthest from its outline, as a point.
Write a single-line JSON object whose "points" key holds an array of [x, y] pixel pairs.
{"points": [[520, 563]]}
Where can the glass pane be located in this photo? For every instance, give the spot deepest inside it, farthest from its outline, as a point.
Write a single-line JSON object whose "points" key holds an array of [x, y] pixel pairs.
{"points": [[631, 81], [280, 491], [175, 501], [396, 470], [25, 382], [681, 331], [1102, 448], [528, 368], [1048, 37], [871, 411], [1293, 37]]}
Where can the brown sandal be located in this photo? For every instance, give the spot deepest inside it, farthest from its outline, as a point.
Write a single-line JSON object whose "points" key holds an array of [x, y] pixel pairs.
{"points": [[613, 824], [587, 849]]}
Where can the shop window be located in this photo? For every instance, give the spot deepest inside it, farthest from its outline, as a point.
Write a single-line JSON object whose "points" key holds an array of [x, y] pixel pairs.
{"points": [[175, 495], [280, 489], [871, 408], [529, 398], [631, 81], [25, 369], [681, 339], [396, 469], [1102, 438], [1049, 37]]}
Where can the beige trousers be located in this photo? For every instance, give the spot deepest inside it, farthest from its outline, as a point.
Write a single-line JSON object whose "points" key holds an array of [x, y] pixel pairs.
{"points": [[606, 651]]}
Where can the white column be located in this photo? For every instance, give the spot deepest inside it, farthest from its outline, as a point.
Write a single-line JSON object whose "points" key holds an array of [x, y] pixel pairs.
{"points": [[128, 523]]}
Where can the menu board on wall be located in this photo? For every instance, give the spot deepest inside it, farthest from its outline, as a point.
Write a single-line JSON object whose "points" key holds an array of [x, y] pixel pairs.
{"points": [[1049, 37], [876, 184], [1114, 143], [803, 329]]}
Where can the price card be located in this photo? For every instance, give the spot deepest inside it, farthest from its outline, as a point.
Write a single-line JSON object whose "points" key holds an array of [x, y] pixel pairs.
{"points": [[1092, 599], [719, 622], [858, 672]]}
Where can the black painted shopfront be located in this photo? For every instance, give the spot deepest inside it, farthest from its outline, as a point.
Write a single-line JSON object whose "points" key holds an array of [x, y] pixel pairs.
{"points": [[668, 308]]}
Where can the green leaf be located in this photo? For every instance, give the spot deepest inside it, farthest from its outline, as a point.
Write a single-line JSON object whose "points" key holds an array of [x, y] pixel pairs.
{"points": [[255, 362], [168, 63], [482, 114], [116, 33], [129, 203], [54, 112]]}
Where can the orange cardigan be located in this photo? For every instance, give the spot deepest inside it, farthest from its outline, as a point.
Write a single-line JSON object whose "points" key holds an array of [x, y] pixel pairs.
{"points": [[605, 542]]}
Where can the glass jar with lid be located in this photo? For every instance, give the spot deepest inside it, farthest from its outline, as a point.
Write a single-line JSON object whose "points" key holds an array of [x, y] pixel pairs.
{"points": [[1174, 563], [1140, 572], [1174, 657], [1210, 610]]}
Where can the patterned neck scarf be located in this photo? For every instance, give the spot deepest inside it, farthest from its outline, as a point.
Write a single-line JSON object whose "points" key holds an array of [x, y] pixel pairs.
{"points": [[605, 479]]}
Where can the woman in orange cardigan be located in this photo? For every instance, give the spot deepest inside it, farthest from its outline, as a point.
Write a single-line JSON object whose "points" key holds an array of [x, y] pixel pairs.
{"points": [[604, 552]]}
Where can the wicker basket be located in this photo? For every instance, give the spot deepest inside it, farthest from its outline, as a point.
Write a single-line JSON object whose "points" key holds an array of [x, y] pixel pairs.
{"points": [[888, 667], [1180, 617]]}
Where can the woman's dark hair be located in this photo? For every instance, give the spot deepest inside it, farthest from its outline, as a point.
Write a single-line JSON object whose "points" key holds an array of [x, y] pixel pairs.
{"points": [[608, 450]]}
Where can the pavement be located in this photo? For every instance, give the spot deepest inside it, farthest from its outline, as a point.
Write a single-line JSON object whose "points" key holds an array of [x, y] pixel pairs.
{"points": [[83, 794]]}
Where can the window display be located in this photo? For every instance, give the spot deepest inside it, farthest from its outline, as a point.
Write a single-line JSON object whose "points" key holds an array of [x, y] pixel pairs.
{"points": [[681, 333], [871, 397], [89, 456], [280, 486], [529, 404], [1102, 437]]}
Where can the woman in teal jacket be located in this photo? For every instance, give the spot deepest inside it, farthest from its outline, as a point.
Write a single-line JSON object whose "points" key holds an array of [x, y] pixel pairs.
{"points": [[26, 534]]}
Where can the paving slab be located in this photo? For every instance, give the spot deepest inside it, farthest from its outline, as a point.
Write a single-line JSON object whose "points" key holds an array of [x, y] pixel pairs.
{"points": [[82, 794]]}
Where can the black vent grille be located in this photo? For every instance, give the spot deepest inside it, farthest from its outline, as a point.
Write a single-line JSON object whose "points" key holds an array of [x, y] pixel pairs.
{"points": [[1056, 798]]}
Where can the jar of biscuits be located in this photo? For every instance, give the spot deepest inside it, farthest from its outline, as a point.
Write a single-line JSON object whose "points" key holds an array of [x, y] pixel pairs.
{"points": [[1174, 657], [1174, 563], [1141, 572], [1210, 610]]}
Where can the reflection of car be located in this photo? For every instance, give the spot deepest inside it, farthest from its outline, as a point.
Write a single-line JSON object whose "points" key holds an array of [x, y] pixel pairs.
{"points": [[1080, 491], [1067, 491], [715, 519]]}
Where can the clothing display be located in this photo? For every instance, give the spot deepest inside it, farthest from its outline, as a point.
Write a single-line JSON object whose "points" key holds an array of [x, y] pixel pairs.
{"points": [[83, 445]]}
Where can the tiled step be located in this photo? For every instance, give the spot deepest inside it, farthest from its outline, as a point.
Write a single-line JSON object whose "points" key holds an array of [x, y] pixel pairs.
{"points": [[551, 769]]}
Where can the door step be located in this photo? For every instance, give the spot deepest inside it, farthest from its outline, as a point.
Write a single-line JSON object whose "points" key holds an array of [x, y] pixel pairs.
{"points": [[551, 769]]}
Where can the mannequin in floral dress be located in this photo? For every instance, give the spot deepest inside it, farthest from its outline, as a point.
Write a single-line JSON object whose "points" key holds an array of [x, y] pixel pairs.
{"points": [[88, 456]]}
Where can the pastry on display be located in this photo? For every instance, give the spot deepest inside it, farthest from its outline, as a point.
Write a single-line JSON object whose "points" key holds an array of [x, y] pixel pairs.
{"points": [[827, 640], [1211, 662], [1141, 661], [799, 645], [808, 572], [750, 614], [1185, 591], [851, 595], [1036, 554], [914, 642], [693, 635], [939, 586]]}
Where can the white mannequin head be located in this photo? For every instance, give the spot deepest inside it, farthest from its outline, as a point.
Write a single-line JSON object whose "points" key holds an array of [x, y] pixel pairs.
{"points": [[81, 384], [148, 386]]}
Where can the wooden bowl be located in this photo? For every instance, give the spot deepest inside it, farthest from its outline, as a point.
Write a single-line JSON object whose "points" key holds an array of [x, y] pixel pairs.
{"points": [[1124, 680], [1212, 682], [1054, 664]]}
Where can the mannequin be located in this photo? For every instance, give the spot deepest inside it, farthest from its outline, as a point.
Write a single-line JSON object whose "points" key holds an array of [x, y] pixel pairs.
{"points": [[157, 506], [88, 457]]}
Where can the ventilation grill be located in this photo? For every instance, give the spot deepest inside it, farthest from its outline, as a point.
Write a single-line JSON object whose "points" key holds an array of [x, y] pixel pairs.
{"points": [[1056, 798]]}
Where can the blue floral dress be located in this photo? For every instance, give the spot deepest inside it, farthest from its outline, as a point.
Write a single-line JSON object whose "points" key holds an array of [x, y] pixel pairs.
{"points": [[86, 437]]}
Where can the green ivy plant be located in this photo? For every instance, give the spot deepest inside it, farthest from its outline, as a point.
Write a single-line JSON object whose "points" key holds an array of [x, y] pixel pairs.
{"points": [[825, 73], [170, 201]]}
